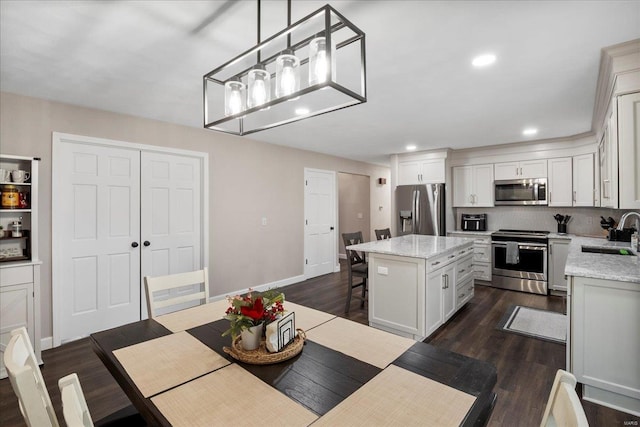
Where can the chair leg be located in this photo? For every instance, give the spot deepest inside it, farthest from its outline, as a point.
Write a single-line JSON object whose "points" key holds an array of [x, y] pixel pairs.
{"points": [[364, 291], [349, 291]]}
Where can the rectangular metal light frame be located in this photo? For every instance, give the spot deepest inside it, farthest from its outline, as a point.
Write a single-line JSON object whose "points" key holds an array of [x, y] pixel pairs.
{"points": [[355, 98]]}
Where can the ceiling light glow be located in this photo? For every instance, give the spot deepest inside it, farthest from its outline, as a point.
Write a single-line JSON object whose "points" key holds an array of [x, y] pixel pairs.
{"points": [[530, 131], [483, 60], [411, 147]]}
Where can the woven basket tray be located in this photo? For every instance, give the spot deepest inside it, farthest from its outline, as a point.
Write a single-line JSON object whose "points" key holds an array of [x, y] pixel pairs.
{"points": [[261, 356]]}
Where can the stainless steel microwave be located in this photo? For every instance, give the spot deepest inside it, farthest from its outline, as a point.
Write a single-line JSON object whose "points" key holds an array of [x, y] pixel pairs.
{"points": [[521, 192]]}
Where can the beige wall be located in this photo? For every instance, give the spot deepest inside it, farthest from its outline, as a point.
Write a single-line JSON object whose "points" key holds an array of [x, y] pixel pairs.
{"points": [[243, 253], [353, 199]]}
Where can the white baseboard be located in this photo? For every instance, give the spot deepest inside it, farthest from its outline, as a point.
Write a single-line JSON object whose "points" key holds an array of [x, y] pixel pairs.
{"points": [[46, 343], [336, 269], [277, 284]]}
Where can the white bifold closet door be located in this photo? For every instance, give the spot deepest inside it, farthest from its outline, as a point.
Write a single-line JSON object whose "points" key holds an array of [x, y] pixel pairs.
{"points": [[119, 214]]}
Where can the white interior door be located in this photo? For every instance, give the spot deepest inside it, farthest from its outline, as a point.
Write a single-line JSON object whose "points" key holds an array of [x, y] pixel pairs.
{"points": [[96, 220], [172, 216], [320, 220]]}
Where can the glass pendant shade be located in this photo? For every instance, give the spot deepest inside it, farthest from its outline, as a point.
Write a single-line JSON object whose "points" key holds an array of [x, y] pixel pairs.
{"points": [[319, 66], [259, 86], [234, 97], [287, 73]]}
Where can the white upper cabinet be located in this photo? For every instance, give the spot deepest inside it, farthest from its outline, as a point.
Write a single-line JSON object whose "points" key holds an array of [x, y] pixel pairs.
{"points": [[629, 150], [473, 186], [429, 171], [520, 170], [583, 180], [560, 186]]}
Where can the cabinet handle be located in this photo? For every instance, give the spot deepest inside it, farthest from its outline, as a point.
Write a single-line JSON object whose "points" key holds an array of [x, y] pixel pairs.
{"points": [[574, 196], [462, 271], [517, 171], [451, 256], [461, 296], [435, 263], [520, 171], [471, 198], [147, 243], [134, 244], [550, 249]]}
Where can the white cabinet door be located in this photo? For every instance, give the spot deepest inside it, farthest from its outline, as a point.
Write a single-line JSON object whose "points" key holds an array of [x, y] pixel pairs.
{"points": [[433, 307], [560, 182], [462, 186], [558, 251], [629, 146], [408, 173], [508, 170], [16, 310], [583, 180], [99, 239], [432, 171], [483, 185], [448, 291], [533, 169], [171, 237]]}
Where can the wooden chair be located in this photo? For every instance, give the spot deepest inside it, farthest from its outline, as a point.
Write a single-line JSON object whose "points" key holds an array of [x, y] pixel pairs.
{"points": [[174, 296], [356, 266], [383, 234], [27, 382], [563, 407]]}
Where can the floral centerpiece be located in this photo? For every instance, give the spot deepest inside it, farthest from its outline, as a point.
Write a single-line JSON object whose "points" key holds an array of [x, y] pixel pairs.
{"points": [[249, 313]]}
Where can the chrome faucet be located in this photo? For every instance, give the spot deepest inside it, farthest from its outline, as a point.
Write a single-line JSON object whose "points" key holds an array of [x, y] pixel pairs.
{"points": [[624, 218]]}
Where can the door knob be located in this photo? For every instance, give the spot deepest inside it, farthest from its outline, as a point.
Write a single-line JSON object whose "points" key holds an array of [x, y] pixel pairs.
{"points": [[330, 228], [147, 243], [134, 244]]}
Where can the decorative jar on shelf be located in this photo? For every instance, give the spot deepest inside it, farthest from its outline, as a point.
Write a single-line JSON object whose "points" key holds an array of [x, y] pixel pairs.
{"points": [[10, 197]]}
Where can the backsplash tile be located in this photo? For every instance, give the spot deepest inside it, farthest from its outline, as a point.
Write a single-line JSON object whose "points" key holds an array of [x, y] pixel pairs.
{"points": [[584, 221]]}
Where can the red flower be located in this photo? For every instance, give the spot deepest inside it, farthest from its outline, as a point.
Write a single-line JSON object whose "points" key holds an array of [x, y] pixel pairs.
{"points": [[256, 312]]}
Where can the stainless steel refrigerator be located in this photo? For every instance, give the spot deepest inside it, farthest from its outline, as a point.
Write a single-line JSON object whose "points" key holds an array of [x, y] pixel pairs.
{"points": [[421, 209]]}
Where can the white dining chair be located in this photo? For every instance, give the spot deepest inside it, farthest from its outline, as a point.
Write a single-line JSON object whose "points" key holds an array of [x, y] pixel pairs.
{"points": [[27, 382], [563, 407], [165, 293], [74, 406]]}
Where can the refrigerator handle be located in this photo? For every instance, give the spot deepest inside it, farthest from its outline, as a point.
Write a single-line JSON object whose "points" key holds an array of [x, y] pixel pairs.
{"points": [[436, 212], [416, 214]]}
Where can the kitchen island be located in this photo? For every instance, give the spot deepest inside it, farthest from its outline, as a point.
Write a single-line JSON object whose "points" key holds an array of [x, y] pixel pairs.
{"points": [[603, 310], [417, 282]]}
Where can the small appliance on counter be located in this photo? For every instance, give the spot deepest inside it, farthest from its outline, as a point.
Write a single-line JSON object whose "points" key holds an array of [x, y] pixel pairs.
{"points": [[471, 222], [623, 235]]}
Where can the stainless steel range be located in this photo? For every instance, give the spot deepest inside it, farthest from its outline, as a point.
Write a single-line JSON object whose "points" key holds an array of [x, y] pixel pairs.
{"points": [[520, 260]]}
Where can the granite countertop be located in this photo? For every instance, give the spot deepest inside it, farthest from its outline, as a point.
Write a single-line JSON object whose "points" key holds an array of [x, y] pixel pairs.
{"points": [[414, 246], [477, 233], [601, 266]]}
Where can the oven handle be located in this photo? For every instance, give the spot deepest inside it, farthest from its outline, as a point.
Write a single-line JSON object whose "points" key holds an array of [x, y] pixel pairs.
{"points": [[531, 246]]}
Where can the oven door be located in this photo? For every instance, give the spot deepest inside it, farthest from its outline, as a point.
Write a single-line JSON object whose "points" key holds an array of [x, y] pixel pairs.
{"points": [[532, 264]]}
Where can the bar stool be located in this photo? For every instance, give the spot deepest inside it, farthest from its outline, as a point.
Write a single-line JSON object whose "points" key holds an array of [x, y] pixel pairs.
{"points": [[356, 266]]}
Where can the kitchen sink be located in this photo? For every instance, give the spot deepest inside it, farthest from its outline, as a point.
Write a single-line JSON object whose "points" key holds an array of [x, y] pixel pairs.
{"points": [[609, 251]]}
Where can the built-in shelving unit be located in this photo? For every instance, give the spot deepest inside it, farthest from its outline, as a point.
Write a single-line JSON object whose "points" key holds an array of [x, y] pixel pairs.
{"points": [[19, 261]]}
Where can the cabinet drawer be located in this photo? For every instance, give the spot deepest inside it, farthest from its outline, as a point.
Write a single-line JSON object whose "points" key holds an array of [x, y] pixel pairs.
{"points": [[482, 271], [464, 292], [464, 268], [439, 262], [16, 275], [482, 252]]}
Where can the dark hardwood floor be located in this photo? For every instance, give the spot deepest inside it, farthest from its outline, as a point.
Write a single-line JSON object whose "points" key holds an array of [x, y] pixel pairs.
{"points": [[526, 366]]}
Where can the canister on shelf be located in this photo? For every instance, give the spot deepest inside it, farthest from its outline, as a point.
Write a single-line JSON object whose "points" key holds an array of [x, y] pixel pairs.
{"points": [[10, 197]]}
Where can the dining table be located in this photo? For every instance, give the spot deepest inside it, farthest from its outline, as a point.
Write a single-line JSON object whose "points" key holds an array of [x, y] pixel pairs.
{"points": [[175, 371]]}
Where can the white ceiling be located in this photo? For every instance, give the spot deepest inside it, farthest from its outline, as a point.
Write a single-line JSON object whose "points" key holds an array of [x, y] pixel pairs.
{"points": [[147, 58]]}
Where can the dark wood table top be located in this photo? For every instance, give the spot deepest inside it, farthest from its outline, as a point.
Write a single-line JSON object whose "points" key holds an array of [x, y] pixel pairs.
{"points": [[319, 378]]}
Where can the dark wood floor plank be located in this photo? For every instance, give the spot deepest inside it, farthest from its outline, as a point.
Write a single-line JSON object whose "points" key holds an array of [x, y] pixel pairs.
{"points": [[526, 366]]}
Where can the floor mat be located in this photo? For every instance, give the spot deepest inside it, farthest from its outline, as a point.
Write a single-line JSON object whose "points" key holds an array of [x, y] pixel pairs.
{"points": [[536, 323]]}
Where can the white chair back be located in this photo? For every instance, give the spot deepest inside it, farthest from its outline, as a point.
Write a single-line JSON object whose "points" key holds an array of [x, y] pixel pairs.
{"points": [[74, 406], [564, 408], [173, 296], [27, 382]]}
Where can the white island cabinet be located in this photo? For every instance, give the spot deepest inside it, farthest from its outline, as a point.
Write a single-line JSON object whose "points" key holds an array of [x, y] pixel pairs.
{"points": [[416, 283]]}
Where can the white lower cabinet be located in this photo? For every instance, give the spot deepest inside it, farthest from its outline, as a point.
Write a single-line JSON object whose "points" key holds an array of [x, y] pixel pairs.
{"points": [[19, 306], [604, 341], [481, 254], [558, 251], [413, 297]]}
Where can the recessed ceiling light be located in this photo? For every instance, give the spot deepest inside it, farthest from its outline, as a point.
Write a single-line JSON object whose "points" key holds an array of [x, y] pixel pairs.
{"points": [[529, 131], [411, 147], [302, 111], [483, 60]]}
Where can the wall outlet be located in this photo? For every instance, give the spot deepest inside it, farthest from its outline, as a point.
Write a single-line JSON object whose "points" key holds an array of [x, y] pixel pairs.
{"points": [[264, 220], [360, 216], [383, 271]]}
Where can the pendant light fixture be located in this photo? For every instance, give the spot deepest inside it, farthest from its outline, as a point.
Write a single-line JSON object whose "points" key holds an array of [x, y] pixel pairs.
{"points": [[262, 88]]}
